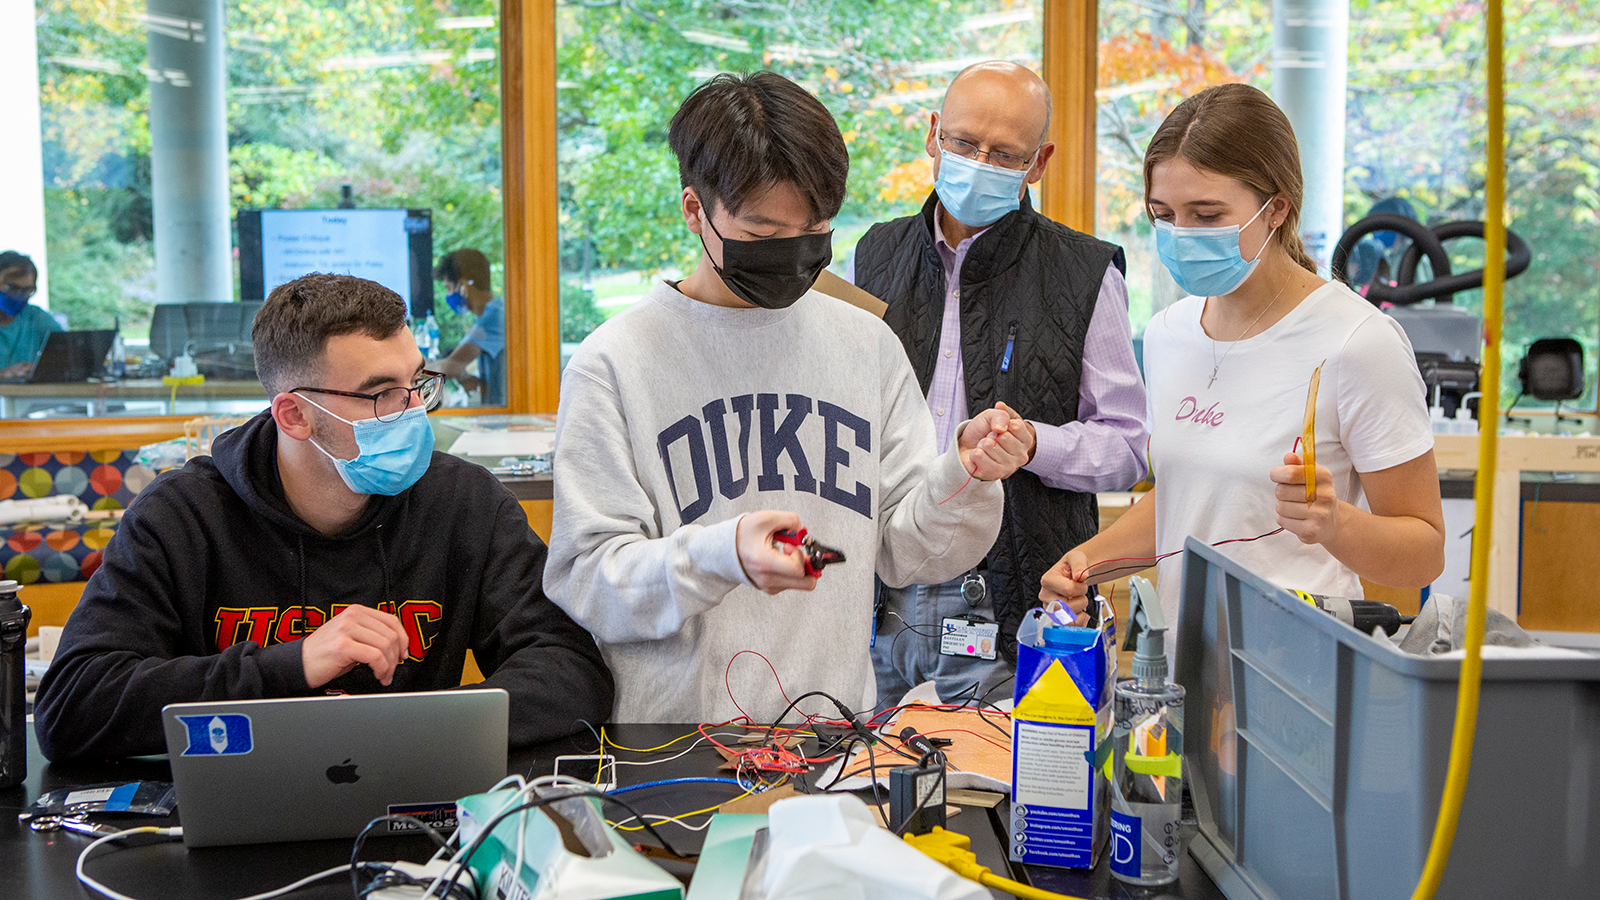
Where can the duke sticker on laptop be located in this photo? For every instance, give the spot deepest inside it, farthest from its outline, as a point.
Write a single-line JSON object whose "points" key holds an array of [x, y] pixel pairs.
{"points": [[225, 734]]}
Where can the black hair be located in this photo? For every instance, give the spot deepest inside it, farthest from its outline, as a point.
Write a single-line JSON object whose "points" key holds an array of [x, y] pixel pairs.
{"points": [[738, 135], [11, 259], [293, 326], [461, 265]]}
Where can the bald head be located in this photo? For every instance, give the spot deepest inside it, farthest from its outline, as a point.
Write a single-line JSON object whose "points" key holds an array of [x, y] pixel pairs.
{"points": [[999, 95]]}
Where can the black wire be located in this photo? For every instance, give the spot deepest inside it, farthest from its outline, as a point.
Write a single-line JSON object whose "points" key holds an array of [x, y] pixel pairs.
{"points": [[385, 878], [987, 720], [872, 769], [1003, 682], [913, 628], [844, 765], [361, 837], [972, 689], [872, 760], [597, 740], [976, 703], [844, 711]]}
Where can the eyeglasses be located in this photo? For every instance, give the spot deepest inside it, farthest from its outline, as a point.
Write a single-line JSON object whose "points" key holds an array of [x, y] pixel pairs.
{"points": [[26, 292], [969, 150], [389, 404]]}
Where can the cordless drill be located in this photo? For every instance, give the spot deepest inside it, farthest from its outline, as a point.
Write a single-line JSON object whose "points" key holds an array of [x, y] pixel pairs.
{"points": [[1362, 615]]}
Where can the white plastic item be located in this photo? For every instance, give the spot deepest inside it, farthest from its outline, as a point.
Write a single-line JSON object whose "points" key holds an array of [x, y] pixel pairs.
{"points": [[830, 845], [62, 507]]}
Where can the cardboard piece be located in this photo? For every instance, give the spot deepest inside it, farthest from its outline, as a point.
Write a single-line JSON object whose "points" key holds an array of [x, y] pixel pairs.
{"points": [[971, 749], [834, 286]]}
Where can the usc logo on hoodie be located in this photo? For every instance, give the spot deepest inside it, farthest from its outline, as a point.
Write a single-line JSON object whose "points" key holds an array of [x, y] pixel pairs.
{"points": [[266, 625]]}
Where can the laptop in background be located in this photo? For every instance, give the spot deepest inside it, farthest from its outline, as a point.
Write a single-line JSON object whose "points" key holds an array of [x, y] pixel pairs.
{"points": [[307, 768], [68, 356]]}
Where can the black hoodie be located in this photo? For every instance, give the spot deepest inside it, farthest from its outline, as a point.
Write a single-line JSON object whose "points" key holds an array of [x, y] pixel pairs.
{"points": [[211, 579]]}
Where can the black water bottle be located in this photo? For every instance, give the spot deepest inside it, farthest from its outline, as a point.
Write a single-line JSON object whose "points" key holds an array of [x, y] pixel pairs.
{"points": [[13, 692]]}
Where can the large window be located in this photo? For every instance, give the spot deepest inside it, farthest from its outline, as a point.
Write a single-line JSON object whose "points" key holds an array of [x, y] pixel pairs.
{"points": [[1415, 127], [326, 105], [880, 67]]}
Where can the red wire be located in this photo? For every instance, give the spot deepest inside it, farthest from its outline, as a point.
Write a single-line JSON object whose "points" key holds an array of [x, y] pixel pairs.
{"points": [[729, 686], [968, 731], [958, 490], [1160, 556]]}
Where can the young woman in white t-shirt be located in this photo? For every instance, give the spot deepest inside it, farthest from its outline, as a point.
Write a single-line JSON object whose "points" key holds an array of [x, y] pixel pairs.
{"points": [[1228, 370]]}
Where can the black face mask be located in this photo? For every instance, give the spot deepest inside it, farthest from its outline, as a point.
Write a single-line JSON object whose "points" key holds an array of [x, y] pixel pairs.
{"points": [[774, 272]]}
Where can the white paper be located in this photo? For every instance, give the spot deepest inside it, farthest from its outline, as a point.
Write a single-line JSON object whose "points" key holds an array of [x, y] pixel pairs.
{"points": [[504, 443], [92, 795], [830, 846]]}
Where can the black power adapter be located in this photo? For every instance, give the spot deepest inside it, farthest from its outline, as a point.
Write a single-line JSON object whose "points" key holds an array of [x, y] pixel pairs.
{"points": [[916, 798]]}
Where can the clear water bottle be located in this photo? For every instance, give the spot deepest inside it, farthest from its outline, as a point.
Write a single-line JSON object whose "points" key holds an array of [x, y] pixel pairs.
{"points": [[1147, 754], [13, 690], [119, 356], [431, 326], [419, 330]]}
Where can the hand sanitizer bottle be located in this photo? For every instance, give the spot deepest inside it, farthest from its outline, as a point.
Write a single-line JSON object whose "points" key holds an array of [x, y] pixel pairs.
{"points": [[1147, 753]]}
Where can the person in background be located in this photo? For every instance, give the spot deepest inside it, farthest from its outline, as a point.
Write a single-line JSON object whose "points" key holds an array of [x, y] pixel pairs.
{"points": [[465, 274], [323, 547], [1229, 369], [23, 326], [739, 403], [995, 303]]}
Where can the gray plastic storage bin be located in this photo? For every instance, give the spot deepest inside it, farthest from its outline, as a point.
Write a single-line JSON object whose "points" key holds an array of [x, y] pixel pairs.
{"points": [[1317, 755]]}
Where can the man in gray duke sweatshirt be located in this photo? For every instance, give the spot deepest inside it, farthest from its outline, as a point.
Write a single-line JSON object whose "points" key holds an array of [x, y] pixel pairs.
{"points": [[738, 403]]}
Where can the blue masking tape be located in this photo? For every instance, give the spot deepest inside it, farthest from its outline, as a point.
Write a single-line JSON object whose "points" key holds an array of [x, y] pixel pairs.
{"points": [[121, 797]]}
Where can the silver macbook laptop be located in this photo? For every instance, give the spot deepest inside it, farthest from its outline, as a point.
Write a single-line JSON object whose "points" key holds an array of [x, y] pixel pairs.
{"points": [[255, 771]]}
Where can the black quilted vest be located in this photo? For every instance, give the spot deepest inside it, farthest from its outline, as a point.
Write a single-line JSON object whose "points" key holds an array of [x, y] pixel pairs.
{"points": [[1028, 284]]}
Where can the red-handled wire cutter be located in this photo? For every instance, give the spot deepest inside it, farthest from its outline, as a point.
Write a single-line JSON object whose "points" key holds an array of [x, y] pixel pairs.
{"points": [[816, 556]]}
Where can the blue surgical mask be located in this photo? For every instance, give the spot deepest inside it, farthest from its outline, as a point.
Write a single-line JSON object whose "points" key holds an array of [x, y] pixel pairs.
{"points": [[390, 457], [456, 302], [1207, 262], [976, 193], [13, 304]]}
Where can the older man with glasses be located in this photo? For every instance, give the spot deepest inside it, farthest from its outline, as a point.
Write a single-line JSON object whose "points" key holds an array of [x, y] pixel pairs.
{"points": [[323, 547], [995, 304]]}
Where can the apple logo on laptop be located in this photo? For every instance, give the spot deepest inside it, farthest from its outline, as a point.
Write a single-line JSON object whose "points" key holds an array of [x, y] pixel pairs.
{"points": [[344, 773]]}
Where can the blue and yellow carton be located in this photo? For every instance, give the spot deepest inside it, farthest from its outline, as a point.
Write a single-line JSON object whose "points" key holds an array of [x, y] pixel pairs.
{"points": [[1060, 723]]}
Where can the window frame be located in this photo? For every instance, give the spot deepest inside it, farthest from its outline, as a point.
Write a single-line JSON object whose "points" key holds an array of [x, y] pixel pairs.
{"points": [[532, 229]]}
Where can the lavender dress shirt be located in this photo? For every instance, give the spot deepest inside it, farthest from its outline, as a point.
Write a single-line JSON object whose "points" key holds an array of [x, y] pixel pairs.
{"points": [[1104, 450]]}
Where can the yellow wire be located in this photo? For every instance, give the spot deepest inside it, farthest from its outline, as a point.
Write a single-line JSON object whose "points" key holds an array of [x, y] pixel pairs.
{"points": [[604, 741], [1018, 889], [678, 818], [1494, 270]]}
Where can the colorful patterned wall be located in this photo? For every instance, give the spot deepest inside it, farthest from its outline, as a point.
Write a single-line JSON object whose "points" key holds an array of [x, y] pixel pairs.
{"points": [[103, 480]]}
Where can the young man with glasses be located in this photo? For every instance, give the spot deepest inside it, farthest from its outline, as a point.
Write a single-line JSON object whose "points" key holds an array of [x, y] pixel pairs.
{"points": [[994, 303], [323, 547], [23, 326], [699, 425]]}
